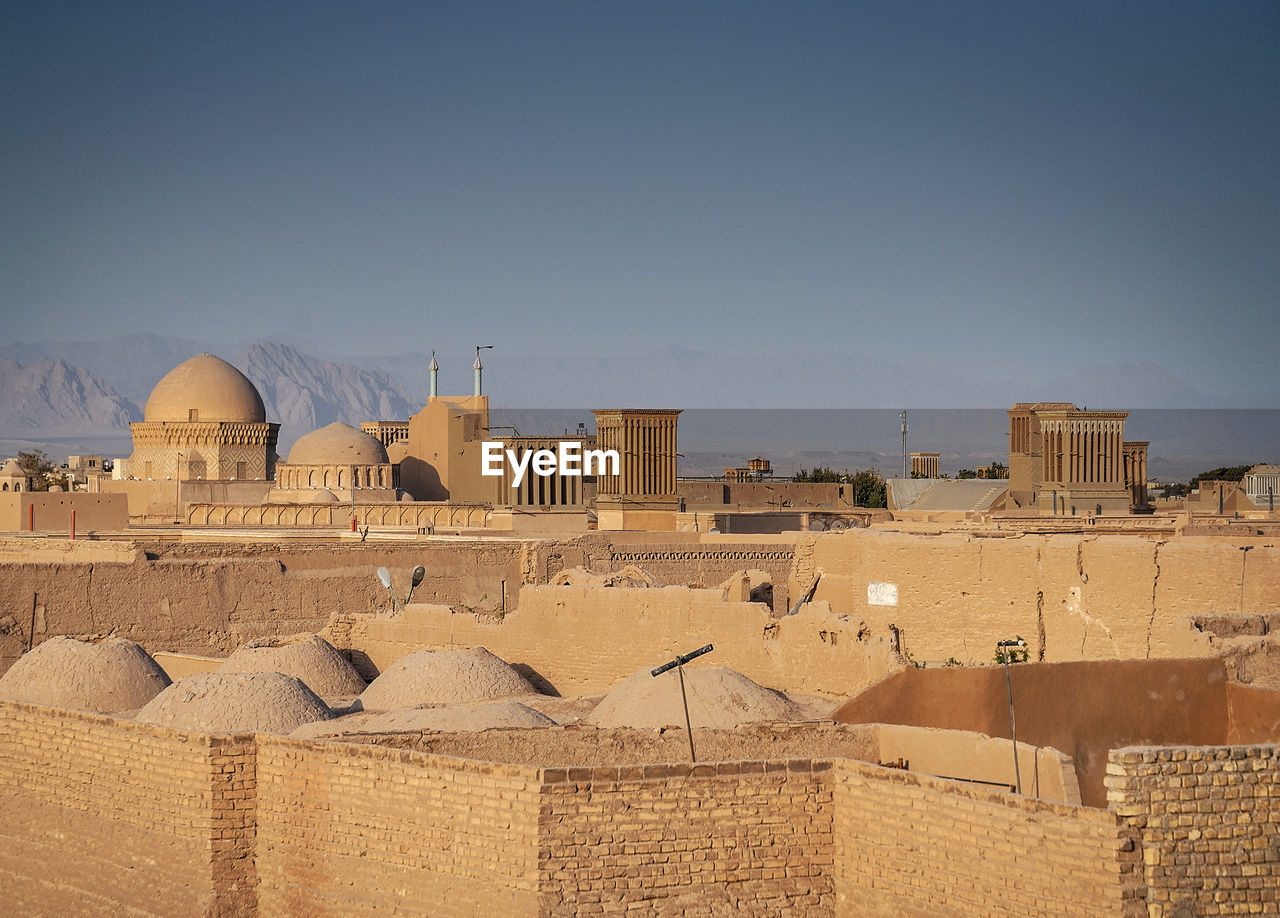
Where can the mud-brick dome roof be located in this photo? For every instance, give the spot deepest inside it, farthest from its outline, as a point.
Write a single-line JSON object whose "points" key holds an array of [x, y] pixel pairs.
{"points": [[211, 388], [337, 444]]}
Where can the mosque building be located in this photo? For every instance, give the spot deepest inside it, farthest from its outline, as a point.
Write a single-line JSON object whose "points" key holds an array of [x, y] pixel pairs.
{"points": [[206, 421]]}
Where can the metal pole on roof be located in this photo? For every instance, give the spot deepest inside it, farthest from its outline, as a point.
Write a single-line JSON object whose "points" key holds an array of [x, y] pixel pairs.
{"points": [[1008, 683], [678, 665]]}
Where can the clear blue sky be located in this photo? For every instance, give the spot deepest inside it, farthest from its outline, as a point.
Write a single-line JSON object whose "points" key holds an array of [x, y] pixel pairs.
{"points": [[965, 186]]}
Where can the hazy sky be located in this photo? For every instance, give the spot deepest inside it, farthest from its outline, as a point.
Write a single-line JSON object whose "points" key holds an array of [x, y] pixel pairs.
{"points": [[1007, 190]]}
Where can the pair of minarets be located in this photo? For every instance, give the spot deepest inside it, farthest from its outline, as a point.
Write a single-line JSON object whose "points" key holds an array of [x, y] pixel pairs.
{"points": [[477, 367]]}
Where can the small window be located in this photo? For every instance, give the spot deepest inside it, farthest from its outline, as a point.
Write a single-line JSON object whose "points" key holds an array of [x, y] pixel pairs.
{"points": [[193, 414]]}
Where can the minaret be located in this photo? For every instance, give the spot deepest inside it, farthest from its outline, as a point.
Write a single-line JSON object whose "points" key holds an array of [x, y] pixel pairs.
{"points": [[904, 443], [478, 366], [434, 368]]}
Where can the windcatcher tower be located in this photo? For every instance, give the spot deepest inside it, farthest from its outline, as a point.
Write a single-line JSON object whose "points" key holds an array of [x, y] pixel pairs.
{"points": [[643, 494]]}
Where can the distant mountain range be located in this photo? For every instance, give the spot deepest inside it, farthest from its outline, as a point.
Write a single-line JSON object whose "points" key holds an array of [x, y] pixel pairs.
{"points": [[52, 396], [55, 397], [60, 390]]}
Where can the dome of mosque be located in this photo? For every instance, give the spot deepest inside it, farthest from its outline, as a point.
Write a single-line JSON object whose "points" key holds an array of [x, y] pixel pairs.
{"points": [[205, 388], [337, 444]]}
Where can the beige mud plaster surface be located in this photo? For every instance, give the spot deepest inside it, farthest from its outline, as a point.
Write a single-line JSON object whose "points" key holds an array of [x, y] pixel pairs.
{"points": [[585, 640], [464, 718], [553, 747], [1072, 597]]}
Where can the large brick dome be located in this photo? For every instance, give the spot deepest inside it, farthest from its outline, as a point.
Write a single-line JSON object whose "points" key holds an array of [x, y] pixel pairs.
{"points": [[205, 388]]}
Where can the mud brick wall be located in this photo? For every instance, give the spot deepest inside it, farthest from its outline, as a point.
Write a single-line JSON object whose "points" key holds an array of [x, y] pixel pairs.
{"points": [[1208, 825], [345, 829], [1071, 596], [100, 816], [908, 844], [580, 640], [749, 838]]}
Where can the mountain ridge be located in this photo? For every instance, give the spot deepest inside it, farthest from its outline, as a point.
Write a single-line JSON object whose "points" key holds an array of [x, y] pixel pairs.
{"points": [[98, 386]]}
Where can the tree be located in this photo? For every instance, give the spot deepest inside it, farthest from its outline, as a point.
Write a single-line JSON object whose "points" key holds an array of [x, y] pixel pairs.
{"points": [[997, 470], [868, 489], [966, 473], [1223, 473], [821, 474], [36, 466], [868, 485]]}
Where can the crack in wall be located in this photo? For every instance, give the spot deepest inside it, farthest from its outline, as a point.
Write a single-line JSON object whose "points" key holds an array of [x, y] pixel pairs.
{"points": [[88, 596], [1040, 632], [1155, 583]]}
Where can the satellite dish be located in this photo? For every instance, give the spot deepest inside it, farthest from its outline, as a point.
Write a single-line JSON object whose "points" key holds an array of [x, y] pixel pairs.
{"points": [[418, 573], [384, 577]]}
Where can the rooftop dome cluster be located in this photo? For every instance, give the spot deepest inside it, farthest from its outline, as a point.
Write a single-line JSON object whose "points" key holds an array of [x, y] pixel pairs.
{"points": [[278, 685]]}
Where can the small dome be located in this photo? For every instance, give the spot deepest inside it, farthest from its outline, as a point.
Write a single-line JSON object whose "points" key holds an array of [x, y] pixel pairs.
{"points": [[235, 703], [337, 444], [444, 677], [719, 698], [11, 469], [308, 657], [205, 388], [106, 676]]}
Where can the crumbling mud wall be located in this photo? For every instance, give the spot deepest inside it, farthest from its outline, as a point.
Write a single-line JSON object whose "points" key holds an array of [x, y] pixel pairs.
{"points": [[1070, 596], [583, 639], [210, 597]]}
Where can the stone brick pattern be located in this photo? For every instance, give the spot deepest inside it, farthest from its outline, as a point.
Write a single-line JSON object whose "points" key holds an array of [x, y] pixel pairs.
{"points": [[104, 816], [101, 816], [742, 838], [346, 829], [908, 844], [1207, 819]]}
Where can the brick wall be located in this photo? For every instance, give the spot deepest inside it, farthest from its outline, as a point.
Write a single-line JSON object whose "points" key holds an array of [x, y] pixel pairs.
{"points": [[750, 838], [100, 815], [908, 844], [346, 829], [1207, 819]]}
